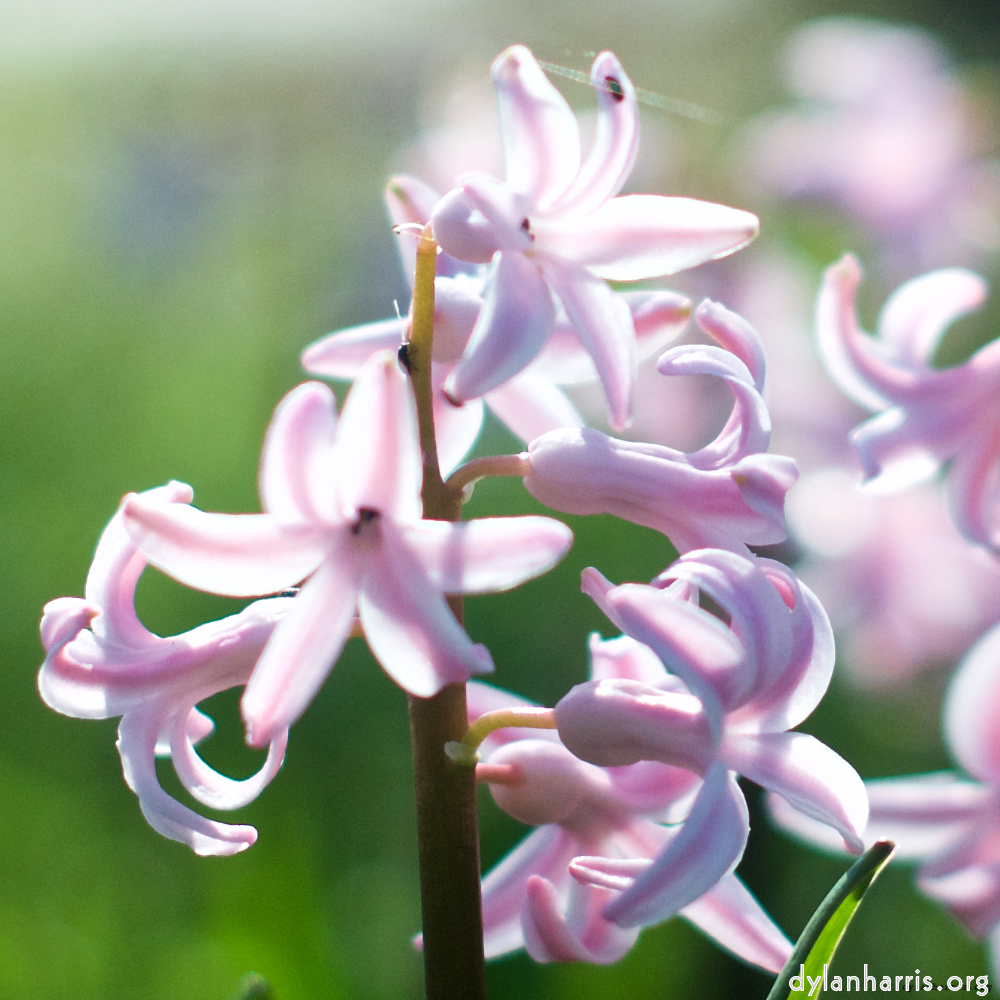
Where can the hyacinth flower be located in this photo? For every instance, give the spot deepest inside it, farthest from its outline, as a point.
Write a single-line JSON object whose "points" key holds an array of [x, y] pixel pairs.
{"points": [[531, 900], [529, 403], [732, 693], [342, 507], [944, 821], [885, 130], [926, 416], [555, 227], [728, 494], [101, 662]]}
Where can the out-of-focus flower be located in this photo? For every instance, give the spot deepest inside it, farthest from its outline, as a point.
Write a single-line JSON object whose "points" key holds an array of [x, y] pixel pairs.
{"points": [[886, 132], [101, 662], [555, 227], [945, 821], [725, 495], [530, 898], [733, 692], [343, 508], [927, 415], [531, 402], [904, 591]]}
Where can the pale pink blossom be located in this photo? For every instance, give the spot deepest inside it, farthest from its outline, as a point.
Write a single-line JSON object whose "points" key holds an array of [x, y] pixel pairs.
{"points": [[531, 899], [725, 708], [530, 402], [728, 494], [945, 821], [101, 662], [927, 415], [886, 132], [897, 607], [555, 228], [342, 507]]}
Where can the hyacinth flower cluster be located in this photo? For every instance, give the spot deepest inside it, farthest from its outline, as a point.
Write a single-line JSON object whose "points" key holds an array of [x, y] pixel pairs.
{"points": [[632, 778]]}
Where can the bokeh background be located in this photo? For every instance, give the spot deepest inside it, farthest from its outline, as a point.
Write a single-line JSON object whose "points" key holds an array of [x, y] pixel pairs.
{"points": [[190, 193]]}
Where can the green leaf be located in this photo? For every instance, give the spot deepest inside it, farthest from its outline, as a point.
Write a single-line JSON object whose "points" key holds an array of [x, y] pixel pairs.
{"points": [[821, 938], [253, 986]]}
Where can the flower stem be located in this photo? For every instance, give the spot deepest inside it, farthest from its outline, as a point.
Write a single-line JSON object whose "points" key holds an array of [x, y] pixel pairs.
{"points": [[447, 823]]}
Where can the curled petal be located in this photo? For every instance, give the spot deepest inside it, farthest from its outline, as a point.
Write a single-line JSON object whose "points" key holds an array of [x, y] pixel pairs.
{"points": [[691, 642], [851, 358], [378, 454], [579, 935], [624, 658], [616, 143], [708, 847], [410, 628], [489, 553], [974, 490], [239, 555], [646, 236], [214, 789], [546, 852], [297, 484], [63, 618], [136, 742], [730, 914], [515, 321], [603, 323], [736, 335], [343, 354], [916, 316], [814, 779], [302, 650], [540, 136]]}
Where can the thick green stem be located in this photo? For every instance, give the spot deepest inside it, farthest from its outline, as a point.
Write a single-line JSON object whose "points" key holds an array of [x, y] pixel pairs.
{"points": [[447, 823]]}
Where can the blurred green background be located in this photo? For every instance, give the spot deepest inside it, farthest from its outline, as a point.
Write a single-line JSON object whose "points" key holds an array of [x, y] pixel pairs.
{"points": [[184, 205]]}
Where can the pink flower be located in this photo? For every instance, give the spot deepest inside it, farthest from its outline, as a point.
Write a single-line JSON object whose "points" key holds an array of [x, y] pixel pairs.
{"points": [[725, 495], [944, 821], [884, 130], [733, 692], [343, 508], [101, 662], [555, 227], [531, 899], [926, 415], [529, 403]]}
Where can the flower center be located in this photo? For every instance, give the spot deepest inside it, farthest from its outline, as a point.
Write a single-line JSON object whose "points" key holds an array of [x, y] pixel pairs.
{"points": [[366, 516]]}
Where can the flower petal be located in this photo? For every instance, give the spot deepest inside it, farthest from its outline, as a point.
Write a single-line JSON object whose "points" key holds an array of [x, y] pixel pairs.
{"points": [[971, 719], [515, 321], [409, 626], [297, 484], [616, 143], [530, 405], [343, 354], [489, 553], [646, 236], [579, 935], [303, 649], [136, 741], [708, 847], [730, 914], [378, 453], [603, 322], [238, 555], [814, 779], [541, 139]]}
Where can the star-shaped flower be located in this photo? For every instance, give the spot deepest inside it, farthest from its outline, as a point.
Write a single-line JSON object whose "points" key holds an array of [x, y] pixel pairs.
{"points": [[926, 415], [531, 899], [101, 662], [530, 402], [733, 692], [343, 508], [555, 228]]}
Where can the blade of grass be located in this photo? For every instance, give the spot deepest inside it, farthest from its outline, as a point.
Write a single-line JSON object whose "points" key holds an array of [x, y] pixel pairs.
{"points": [[819, 941]]}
